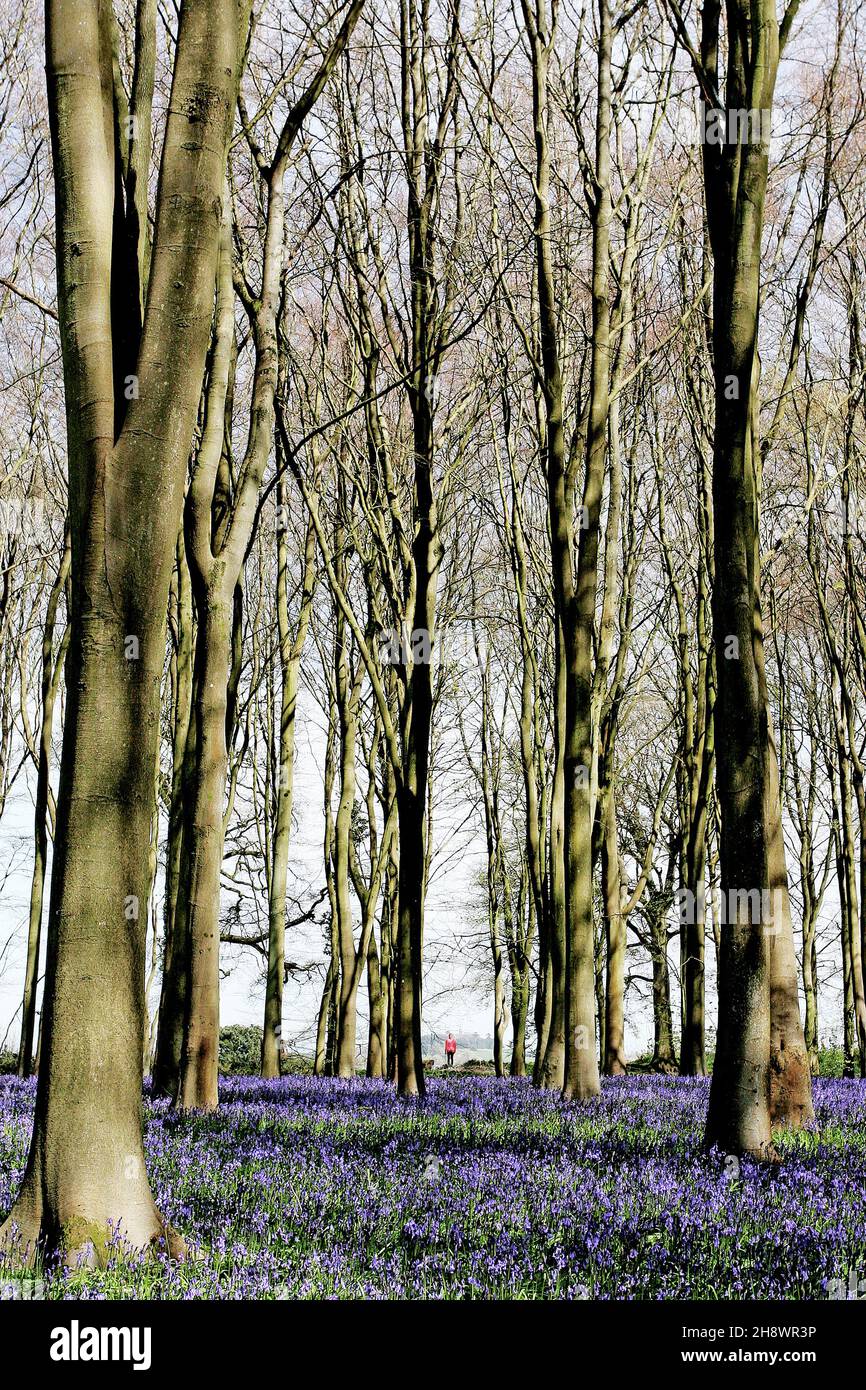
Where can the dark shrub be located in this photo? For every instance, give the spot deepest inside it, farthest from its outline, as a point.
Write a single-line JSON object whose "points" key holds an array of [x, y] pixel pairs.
{"points": [[240, 1050]]}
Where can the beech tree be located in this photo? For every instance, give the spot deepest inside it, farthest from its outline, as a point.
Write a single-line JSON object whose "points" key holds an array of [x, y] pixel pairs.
{"points": [[220, 513], [441, 333], [130, 423], [761, 1073]]}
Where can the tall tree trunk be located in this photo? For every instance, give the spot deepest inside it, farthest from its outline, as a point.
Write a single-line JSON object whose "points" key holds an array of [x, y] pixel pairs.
{"points": [[581, 1068], [520, 940], [693, 1057], [377, 1038], [321, 1060], [51, 673], [415, 726], [500, 1003], [694, 776], [127, 464], [810, 989], [615, 935], [849, 899], [790, 1068], [551, 1074], [347, 1010], [388, 929], [664, 1055], [849, 1025], [203, 854], [693, 1060], [761, 1072], [574, 595], [430, 322], [290, 652], [410, 932], [519, 1016], [220, 518], [172, 1001], [533, 873]]}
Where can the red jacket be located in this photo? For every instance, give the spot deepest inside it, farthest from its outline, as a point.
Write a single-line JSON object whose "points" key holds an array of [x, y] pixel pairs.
{"points": [[450, 1045]]}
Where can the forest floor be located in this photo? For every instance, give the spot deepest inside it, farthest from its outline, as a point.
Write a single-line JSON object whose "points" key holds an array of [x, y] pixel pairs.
{"points": [[306, 1188]]}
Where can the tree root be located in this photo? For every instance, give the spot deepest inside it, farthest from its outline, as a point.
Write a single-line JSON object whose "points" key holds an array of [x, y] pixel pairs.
{"points": [[26, 1243]]}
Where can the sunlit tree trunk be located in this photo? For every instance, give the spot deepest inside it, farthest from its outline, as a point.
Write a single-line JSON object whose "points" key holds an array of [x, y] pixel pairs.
{"points": [[290, 653], [348, 692], [664, 1055], [377, 1039], [127, 460]]}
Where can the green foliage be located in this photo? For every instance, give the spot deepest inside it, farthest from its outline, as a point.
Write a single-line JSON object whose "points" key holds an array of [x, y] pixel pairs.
{"points": [[241, 1053], [240, 1050], [295, 1064], [646, 1064], [831, 1061], [8, 1063]]}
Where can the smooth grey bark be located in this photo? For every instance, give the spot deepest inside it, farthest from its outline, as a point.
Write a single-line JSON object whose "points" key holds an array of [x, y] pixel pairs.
{"points": [[127, 463], [290, 653]]}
